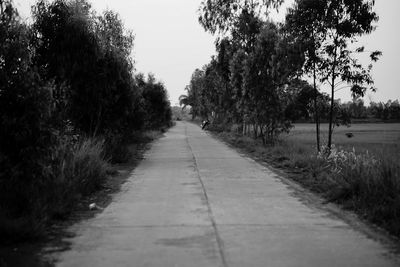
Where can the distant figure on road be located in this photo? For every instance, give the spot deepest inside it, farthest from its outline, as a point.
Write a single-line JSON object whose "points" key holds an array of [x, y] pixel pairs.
{"points": [[204, 124]]}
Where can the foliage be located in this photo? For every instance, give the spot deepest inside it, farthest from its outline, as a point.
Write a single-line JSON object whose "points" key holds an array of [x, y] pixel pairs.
{"points": [[246, 81], [25, 112], [385, 111], [299, 95], [301, 110], [95, 64], [264, 76], [340, 23], [304, 25], [253, 85], [156, 103], [221, 15]]}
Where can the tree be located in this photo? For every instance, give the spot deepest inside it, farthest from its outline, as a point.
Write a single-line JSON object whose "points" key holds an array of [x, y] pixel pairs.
{"points": [[94, 72], [236, 68], [26, 135], [299, 94], [327, 28], [194, 93], [304, 23], [156, 104], [357, 109], [220, 16], [345, 21], [265, 75]]}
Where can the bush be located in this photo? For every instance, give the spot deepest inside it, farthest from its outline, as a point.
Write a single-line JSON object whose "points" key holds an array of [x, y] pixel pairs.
{"points": [[219, 127], [155, 101], [116, 147]]}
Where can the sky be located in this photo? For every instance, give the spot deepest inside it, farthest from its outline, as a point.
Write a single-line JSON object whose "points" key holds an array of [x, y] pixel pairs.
{"points": [[171, 44]]}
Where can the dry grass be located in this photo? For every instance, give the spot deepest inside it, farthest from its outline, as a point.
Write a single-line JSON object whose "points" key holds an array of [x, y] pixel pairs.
{"points": [[78, 174]]}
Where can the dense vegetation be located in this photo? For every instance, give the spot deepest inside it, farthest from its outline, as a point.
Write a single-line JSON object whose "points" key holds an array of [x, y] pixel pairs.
{"points": [[266, 75], [259, 77], [70, 101]]}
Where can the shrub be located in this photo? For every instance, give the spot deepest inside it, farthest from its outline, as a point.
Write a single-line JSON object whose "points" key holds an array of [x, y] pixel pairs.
{"points": [[115, 147], [155, 100]]}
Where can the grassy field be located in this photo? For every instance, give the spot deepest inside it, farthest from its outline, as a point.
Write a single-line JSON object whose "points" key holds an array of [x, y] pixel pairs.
{"points": [[374, 137]]}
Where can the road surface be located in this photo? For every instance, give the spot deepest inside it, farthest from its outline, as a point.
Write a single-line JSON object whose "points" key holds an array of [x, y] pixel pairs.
{"points": [[193, 201]]}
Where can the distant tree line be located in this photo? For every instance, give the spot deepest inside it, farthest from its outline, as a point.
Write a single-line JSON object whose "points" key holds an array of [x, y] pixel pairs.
{"points": [[258, 78], [389, 111], [65, 77], [301, 109]]}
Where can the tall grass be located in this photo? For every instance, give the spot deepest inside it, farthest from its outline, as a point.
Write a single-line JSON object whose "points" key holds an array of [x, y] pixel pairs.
{"points": [[372, 188], [75, 171]]}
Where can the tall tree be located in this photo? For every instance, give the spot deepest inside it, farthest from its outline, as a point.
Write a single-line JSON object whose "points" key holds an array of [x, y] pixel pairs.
{"points": [[26, 136], [94, 69], [266, 72], [304, 22], [156, 104], [236, 82], [344, 22], [328, 28]]}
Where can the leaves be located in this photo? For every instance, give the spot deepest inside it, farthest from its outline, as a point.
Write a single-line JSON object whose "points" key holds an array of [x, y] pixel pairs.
{"points": [[360, 49], [220, 16], [375, 55]]}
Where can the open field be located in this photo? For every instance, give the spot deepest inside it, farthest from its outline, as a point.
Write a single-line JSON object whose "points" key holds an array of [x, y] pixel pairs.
{"points": [[374, 137]]}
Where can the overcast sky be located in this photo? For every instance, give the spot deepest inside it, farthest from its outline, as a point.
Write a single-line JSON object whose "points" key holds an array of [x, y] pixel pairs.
{"points": [[171, 44]]}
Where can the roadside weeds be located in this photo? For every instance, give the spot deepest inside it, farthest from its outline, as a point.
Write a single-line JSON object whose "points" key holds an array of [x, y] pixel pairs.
{"points": [[81, 179]]}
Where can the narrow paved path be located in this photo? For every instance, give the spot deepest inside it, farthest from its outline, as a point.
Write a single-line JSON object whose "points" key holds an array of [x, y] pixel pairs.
{"points": [[196, 202]]}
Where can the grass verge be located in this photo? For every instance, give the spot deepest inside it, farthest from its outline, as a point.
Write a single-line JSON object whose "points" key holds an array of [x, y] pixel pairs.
{"points": [[78, 175], [368, 184]]}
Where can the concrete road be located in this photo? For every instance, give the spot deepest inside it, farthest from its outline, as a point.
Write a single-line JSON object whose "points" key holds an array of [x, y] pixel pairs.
{"points": [[196, 202]]}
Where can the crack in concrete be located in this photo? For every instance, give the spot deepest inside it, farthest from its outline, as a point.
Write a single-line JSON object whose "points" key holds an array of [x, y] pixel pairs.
{"points": [[218, 238]]}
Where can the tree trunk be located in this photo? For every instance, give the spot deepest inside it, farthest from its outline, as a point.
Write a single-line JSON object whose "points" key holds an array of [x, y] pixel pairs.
{"points": [[262, 134], [316, 111], [244, 126], [332, 100]]}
